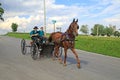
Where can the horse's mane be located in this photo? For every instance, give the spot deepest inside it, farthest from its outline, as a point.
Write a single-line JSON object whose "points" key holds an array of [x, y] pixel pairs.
{"points": [[68, 30]]}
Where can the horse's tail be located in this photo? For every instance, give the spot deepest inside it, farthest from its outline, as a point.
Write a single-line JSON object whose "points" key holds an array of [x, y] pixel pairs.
{"points": [[50, 37]]}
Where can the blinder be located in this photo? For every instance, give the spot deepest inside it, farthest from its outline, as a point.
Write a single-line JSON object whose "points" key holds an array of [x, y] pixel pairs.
{"points": [[77, 27]]}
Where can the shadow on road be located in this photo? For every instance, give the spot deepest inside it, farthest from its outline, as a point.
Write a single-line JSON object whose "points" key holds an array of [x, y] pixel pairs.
{"points": [[72, 60]]}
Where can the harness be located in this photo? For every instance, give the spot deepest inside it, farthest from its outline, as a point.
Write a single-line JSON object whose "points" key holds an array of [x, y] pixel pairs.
{"points": [[67, 37]]}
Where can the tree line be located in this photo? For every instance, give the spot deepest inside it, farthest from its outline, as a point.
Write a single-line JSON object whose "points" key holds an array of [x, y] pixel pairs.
{"points": [[97, 30], [101, 30]]}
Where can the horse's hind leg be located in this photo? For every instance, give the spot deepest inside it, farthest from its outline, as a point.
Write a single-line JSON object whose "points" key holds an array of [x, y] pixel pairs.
{"points": [[56, 54], [76, 55]]}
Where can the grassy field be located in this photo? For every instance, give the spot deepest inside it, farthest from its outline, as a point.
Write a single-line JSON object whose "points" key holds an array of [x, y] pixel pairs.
{"points": [[103, 45]]}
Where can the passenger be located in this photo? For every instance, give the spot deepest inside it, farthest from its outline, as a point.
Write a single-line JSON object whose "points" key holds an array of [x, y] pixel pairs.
{"points": [[41, 35], [41, 32]]}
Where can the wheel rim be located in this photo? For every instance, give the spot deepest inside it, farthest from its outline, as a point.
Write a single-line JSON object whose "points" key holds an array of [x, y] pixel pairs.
{"points": [[34, 51], [23, 46]]}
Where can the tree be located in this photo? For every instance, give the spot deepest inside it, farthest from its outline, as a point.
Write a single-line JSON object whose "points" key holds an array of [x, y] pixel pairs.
{"points": [[98, 29], [110, 30], [113, 27], [1, 12], [116, 33], [95, 29], [14, 27], [84, 29]]}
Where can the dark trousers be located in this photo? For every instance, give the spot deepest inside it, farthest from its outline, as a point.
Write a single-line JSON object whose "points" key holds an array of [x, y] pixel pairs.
{"points": [[34, 38]]}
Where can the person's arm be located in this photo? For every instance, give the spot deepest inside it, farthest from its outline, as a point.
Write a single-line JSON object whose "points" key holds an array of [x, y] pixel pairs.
{"points": [[43, 34], [38, 32], [32, 34]]}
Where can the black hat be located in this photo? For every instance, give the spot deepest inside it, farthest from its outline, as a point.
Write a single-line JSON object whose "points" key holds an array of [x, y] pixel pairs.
{"points": [[35, 27]]}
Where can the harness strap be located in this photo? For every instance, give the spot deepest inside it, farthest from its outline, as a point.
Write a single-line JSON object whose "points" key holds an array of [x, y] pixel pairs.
{"points": [[68, 37]]}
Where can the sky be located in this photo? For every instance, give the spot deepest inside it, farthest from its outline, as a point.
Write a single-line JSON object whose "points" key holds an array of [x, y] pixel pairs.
{"points": [[30, 13]]}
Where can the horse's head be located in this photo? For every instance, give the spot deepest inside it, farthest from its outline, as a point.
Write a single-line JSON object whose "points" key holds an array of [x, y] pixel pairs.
{"points": [[73, 28]]}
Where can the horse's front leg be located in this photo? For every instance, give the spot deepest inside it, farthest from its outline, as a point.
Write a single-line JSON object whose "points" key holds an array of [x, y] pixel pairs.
{"points": [[65, 56], [76, 55]]}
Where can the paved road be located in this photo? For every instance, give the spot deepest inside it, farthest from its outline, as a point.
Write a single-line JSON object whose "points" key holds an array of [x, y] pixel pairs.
{"points": [[15, 66]]}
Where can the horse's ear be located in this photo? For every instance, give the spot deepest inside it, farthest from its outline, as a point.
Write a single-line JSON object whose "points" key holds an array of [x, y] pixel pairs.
{"points": [[74, 20], [77, 20]]}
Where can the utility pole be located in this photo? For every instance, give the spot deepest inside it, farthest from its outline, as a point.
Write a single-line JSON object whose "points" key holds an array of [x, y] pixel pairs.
{"points": [[97, 30], [44, 17]]}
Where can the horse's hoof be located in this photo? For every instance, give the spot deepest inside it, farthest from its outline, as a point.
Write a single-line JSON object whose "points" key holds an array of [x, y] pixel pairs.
{"points": [[64, 64], [78, 65]]}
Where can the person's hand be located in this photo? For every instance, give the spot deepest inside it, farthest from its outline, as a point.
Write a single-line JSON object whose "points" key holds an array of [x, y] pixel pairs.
{"points": [[44, 36], [36, 34]]}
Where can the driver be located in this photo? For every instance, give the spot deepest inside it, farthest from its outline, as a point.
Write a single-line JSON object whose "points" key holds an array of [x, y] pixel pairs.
{"points": [[34, 33]]}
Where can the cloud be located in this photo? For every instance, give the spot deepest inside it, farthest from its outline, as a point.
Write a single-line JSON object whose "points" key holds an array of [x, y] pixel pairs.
{"points": [[7, 24], [113, 20], [29, 13]]}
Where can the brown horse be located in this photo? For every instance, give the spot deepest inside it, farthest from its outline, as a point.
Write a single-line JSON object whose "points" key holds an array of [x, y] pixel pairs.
{"points": [[66, 40]]}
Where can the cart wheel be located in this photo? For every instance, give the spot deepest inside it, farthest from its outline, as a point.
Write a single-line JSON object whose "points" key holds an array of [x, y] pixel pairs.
{"points": [[34, 51], [23, 46]]}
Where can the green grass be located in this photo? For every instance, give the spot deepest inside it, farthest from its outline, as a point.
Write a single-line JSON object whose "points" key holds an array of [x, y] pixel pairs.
{"points": [[19, 35], [102, 45]]}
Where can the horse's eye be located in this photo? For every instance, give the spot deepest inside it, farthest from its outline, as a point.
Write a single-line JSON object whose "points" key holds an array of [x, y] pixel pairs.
{"points": [[77, 27]]}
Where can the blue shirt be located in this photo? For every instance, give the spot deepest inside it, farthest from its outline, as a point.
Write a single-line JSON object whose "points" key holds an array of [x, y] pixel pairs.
{"points": [[41, 33], [33, 32]]}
